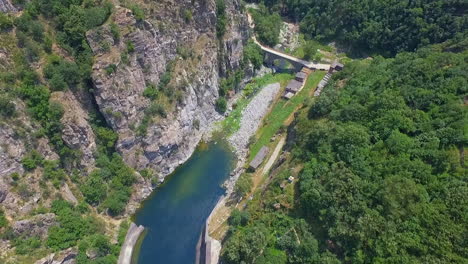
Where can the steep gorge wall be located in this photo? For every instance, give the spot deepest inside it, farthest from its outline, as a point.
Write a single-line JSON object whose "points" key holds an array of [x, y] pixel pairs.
{"points": [[166, 35], [159, 40]]}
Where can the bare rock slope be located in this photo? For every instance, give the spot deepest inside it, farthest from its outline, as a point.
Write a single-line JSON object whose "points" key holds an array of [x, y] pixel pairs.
{"points": [[165, 36]]}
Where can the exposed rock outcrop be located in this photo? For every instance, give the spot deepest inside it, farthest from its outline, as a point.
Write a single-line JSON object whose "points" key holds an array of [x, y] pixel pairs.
{"points": [[156, 41], [67, 256], [77, 132], [16, 140], [35, 226], [6, 6]]}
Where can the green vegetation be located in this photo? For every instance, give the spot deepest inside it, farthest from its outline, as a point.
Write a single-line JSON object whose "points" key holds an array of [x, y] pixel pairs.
{"points": [[3, 220], [188, 15], [159, 96], [232, 123], [41, 25], [109, 186], [25, 245], [380, 168], [32, 160], [7, 108], [243, 185], [231, 83], [137, 12], [267, 25], [281, 111], [221, 18], [61, 72], [253, 54], [5, 22], [221, 104], [72, 226], [382, 26]]}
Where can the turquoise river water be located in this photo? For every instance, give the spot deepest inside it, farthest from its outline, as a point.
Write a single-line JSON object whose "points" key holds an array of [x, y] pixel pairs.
{"points": [[176, 212]]}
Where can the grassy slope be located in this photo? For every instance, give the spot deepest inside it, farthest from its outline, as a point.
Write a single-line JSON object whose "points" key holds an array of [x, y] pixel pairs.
{"points": [[232, 123], [281, 111]]}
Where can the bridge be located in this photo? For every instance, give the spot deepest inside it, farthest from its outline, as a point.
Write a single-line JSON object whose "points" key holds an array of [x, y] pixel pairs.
{"points": [[271, 55]]}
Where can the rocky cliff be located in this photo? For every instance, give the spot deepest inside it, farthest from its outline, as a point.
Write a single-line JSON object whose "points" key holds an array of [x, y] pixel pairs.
{"points": [[154, 80], [6, 6], [198, 57]]}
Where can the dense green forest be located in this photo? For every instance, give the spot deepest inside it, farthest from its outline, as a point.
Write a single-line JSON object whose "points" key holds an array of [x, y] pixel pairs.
{"points": [[382, 26], [383, 175]]}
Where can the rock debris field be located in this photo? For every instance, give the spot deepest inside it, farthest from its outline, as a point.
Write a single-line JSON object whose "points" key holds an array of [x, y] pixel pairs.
{"points": [[252, 116]]}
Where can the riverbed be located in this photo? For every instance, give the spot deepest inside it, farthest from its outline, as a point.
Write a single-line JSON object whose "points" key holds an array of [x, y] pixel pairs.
{"points": [[176, 212]]}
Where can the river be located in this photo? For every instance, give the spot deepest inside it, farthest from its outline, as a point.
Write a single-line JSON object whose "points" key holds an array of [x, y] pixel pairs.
{"points": [[177, 210]]}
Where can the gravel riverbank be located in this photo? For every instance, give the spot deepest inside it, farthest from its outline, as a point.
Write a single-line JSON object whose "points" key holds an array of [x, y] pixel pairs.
{"points": [[251, 120], [252, 117]]}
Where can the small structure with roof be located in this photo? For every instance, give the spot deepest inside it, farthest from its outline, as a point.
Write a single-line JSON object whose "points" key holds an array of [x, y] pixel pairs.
{"points": [[257, 161], [336, 66], [293, 86], [288, 95], [300, 76]]}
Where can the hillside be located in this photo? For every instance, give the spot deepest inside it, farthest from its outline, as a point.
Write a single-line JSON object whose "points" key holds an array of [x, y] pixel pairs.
{"points": [[99, 101], [379, 162]]}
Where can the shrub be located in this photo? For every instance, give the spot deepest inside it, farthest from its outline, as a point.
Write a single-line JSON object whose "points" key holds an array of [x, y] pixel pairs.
{"points": [[24, 191], [187, 15], [5, 22], [221, 105], [94, 189], [72, 227], [238, 217], [57, 83], [253, 54], [24, 246], [7, 108], [147, 173], [32, 160], [150, 92], [115, 31], [243, 185], [3, 220], [111, 68], [53, 172], [65, 70], [116, 202], [37, 31], [156, 109], [106, 138], [15, 176], [130, 47], [137, 12], [267, 26], [221, 18]]}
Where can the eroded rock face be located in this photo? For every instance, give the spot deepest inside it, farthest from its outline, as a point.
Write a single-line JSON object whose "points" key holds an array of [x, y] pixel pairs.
{"points": [[77, 132], [16, 141], [157, 40], [35, 226], [6, 6], [67, 256]]}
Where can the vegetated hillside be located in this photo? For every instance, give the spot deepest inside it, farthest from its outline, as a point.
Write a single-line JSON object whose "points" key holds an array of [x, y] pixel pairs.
{"points": [[73, 75], [382, 171], [382, 26]]}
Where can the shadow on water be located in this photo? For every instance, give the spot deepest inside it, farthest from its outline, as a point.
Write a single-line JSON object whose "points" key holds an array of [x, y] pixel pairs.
{"points": [[176, 211]]}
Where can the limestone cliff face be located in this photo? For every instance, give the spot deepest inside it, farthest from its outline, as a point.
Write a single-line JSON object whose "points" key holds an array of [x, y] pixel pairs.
{"points": [[6, 6], [77, 132], [163, 37]]}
